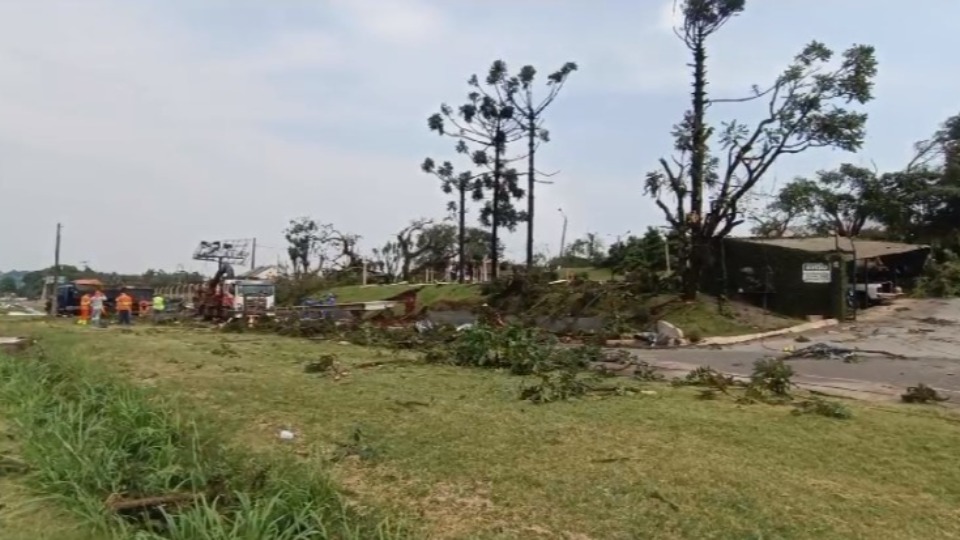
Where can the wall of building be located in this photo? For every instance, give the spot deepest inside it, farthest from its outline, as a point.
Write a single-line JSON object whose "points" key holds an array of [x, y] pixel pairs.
{"points": [[777, 277]]}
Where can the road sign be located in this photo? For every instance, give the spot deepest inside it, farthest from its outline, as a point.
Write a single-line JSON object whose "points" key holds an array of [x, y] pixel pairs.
{"points": [[817, 273]]}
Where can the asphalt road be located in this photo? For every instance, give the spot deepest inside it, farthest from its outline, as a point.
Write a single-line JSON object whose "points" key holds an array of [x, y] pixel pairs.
{"points": [[925, 332]]}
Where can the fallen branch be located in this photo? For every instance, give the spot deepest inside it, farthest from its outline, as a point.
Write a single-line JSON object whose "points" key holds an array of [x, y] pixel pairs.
{"points": [[116, 504], [379, 363], [822, 350]]}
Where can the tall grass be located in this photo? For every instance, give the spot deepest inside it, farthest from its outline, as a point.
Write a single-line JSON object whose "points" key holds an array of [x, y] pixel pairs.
{"points": [[90, 439]]}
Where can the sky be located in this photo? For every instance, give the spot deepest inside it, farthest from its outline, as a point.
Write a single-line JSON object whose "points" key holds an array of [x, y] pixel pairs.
{"points": [[145, 127]]}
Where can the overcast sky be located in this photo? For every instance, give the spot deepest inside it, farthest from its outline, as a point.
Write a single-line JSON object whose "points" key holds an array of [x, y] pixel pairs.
{"points": [[147, 126]]}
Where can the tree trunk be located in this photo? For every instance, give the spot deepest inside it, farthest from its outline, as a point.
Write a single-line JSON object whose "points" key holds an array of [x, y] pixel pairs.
{"points": [[462, 234], [692, 272], [495, 218], [698, 156], [531, 148]]}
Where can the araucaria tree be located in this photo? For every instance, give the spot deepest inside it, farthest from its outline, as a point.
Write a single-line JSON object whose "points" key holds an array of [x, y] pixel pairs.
{"points": [[461, 184], [699, 191], [529, 110], [485, 125]]}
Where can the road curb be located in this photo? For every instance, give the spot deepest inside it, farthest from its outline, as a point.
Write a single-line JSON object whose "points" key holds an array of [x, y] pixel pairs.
{"points": [[733, 340]]}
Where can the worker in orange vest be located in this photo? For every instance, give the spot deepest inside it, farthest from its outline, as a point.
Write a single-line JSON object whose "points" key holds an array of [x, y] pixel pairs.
{"points": [[124, 308], [84, 309]]}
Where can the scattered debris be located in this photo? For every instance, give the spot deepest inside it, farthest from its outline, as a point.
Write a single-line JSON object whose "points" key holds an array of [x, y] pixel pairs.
{"points": [[823, 351], [802, 339], [410, 404], [656, 495], [327, 363], [669, 334], [19, 310], [643, 371], [355, 447], [14, 344], [650, 338], [285, 435], [611, 460], [922, 393], [709, 377], [822, 407], [423, 326], [224, 349], [937, 321]]}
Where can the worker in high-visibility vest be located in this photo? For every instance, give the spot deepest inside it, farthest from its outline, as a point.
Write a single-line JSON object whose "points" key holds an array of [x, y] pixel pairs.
{"points": [[96, 307], [159, 306], [84, 309], [124, 308]]}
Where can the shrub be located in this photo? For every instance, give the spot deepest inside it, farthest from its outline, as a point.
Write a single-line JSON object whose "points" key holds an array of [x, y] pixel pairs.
{"points": [[710, 378], [940, 279], [922, 393], [695, 335], [520, 350], [822, 407], [772, 375]]}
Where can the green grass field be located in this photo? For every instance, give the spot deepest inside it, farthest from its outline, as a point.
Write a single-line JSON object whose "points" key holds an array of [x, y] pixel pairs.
{"points": [[454, 450]]}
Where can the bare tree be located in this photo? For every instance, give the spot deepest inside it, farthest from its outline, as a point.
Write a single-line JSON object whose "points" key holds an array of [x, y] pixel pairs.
{"points": [[387, 259], [408, 247], [805, 109]]}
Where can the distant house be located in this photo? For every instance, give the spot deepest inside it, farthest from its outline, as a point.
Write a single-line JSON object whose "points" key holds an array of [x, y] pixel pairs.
{"points": [[266, 273], [802, 276]]}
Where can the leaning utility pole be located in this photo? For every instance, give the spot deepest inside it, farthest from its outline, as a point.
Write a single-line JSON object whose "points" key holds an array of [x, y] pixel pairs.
{"points": [[54, 308], [563, 235]]}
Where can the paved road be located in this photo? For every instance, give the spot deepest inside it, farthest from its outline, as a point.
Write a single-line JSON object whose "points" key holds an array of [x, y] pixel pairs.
{"points": [[926, 332]]}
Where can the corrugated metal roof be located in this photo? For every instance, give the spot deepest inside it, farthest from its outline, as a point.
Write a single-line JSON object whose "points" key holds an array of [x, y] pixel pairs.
{"points": [[865, 249]]}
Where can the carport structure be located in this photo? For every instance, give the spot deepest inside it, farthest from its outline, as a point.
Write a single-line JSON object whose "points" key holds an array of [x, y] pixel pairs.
{"points": [[804, 277]]}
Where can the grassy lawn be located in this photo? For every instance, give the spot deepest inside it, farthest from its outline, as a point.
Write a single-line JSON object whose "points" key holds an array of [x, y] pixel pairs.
{"points": [[455, 449], [704, 318], [429, 295]]}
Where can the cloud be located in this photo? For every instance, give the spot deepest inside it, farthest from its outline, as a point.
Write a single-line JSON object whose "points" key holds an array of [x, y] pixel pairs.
{"points": [[148, 126], [402, 22], [670, 17]]}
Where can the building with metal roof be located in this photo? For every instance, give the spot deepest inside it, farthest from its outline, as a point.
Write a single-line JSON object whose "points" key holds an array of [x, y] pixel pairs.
{"points": [[811, 276]]}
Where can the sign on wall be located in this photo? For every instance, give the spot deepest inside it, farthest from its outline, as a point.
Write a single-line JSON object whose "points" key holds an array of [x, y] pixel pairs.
{"points": [[817, 273]]}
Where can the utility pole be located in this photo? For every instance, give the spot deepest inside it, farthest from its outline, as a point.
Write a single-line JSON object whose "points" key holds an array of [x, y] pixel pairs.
{"points": [[56, 274], [253, 255], [666, 244], [563, 234]]}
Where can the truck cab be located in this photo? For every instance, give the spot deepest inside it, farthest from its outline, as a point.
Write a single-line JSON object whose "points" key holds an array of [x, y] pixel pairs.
{"points": [[248, 297], [69, 294]]}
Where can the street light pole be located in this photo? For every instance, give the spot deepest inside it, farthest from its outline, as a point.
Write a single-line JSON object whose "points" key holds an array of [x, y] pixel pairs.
{"points": [[666, 247], [54, 308]]}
